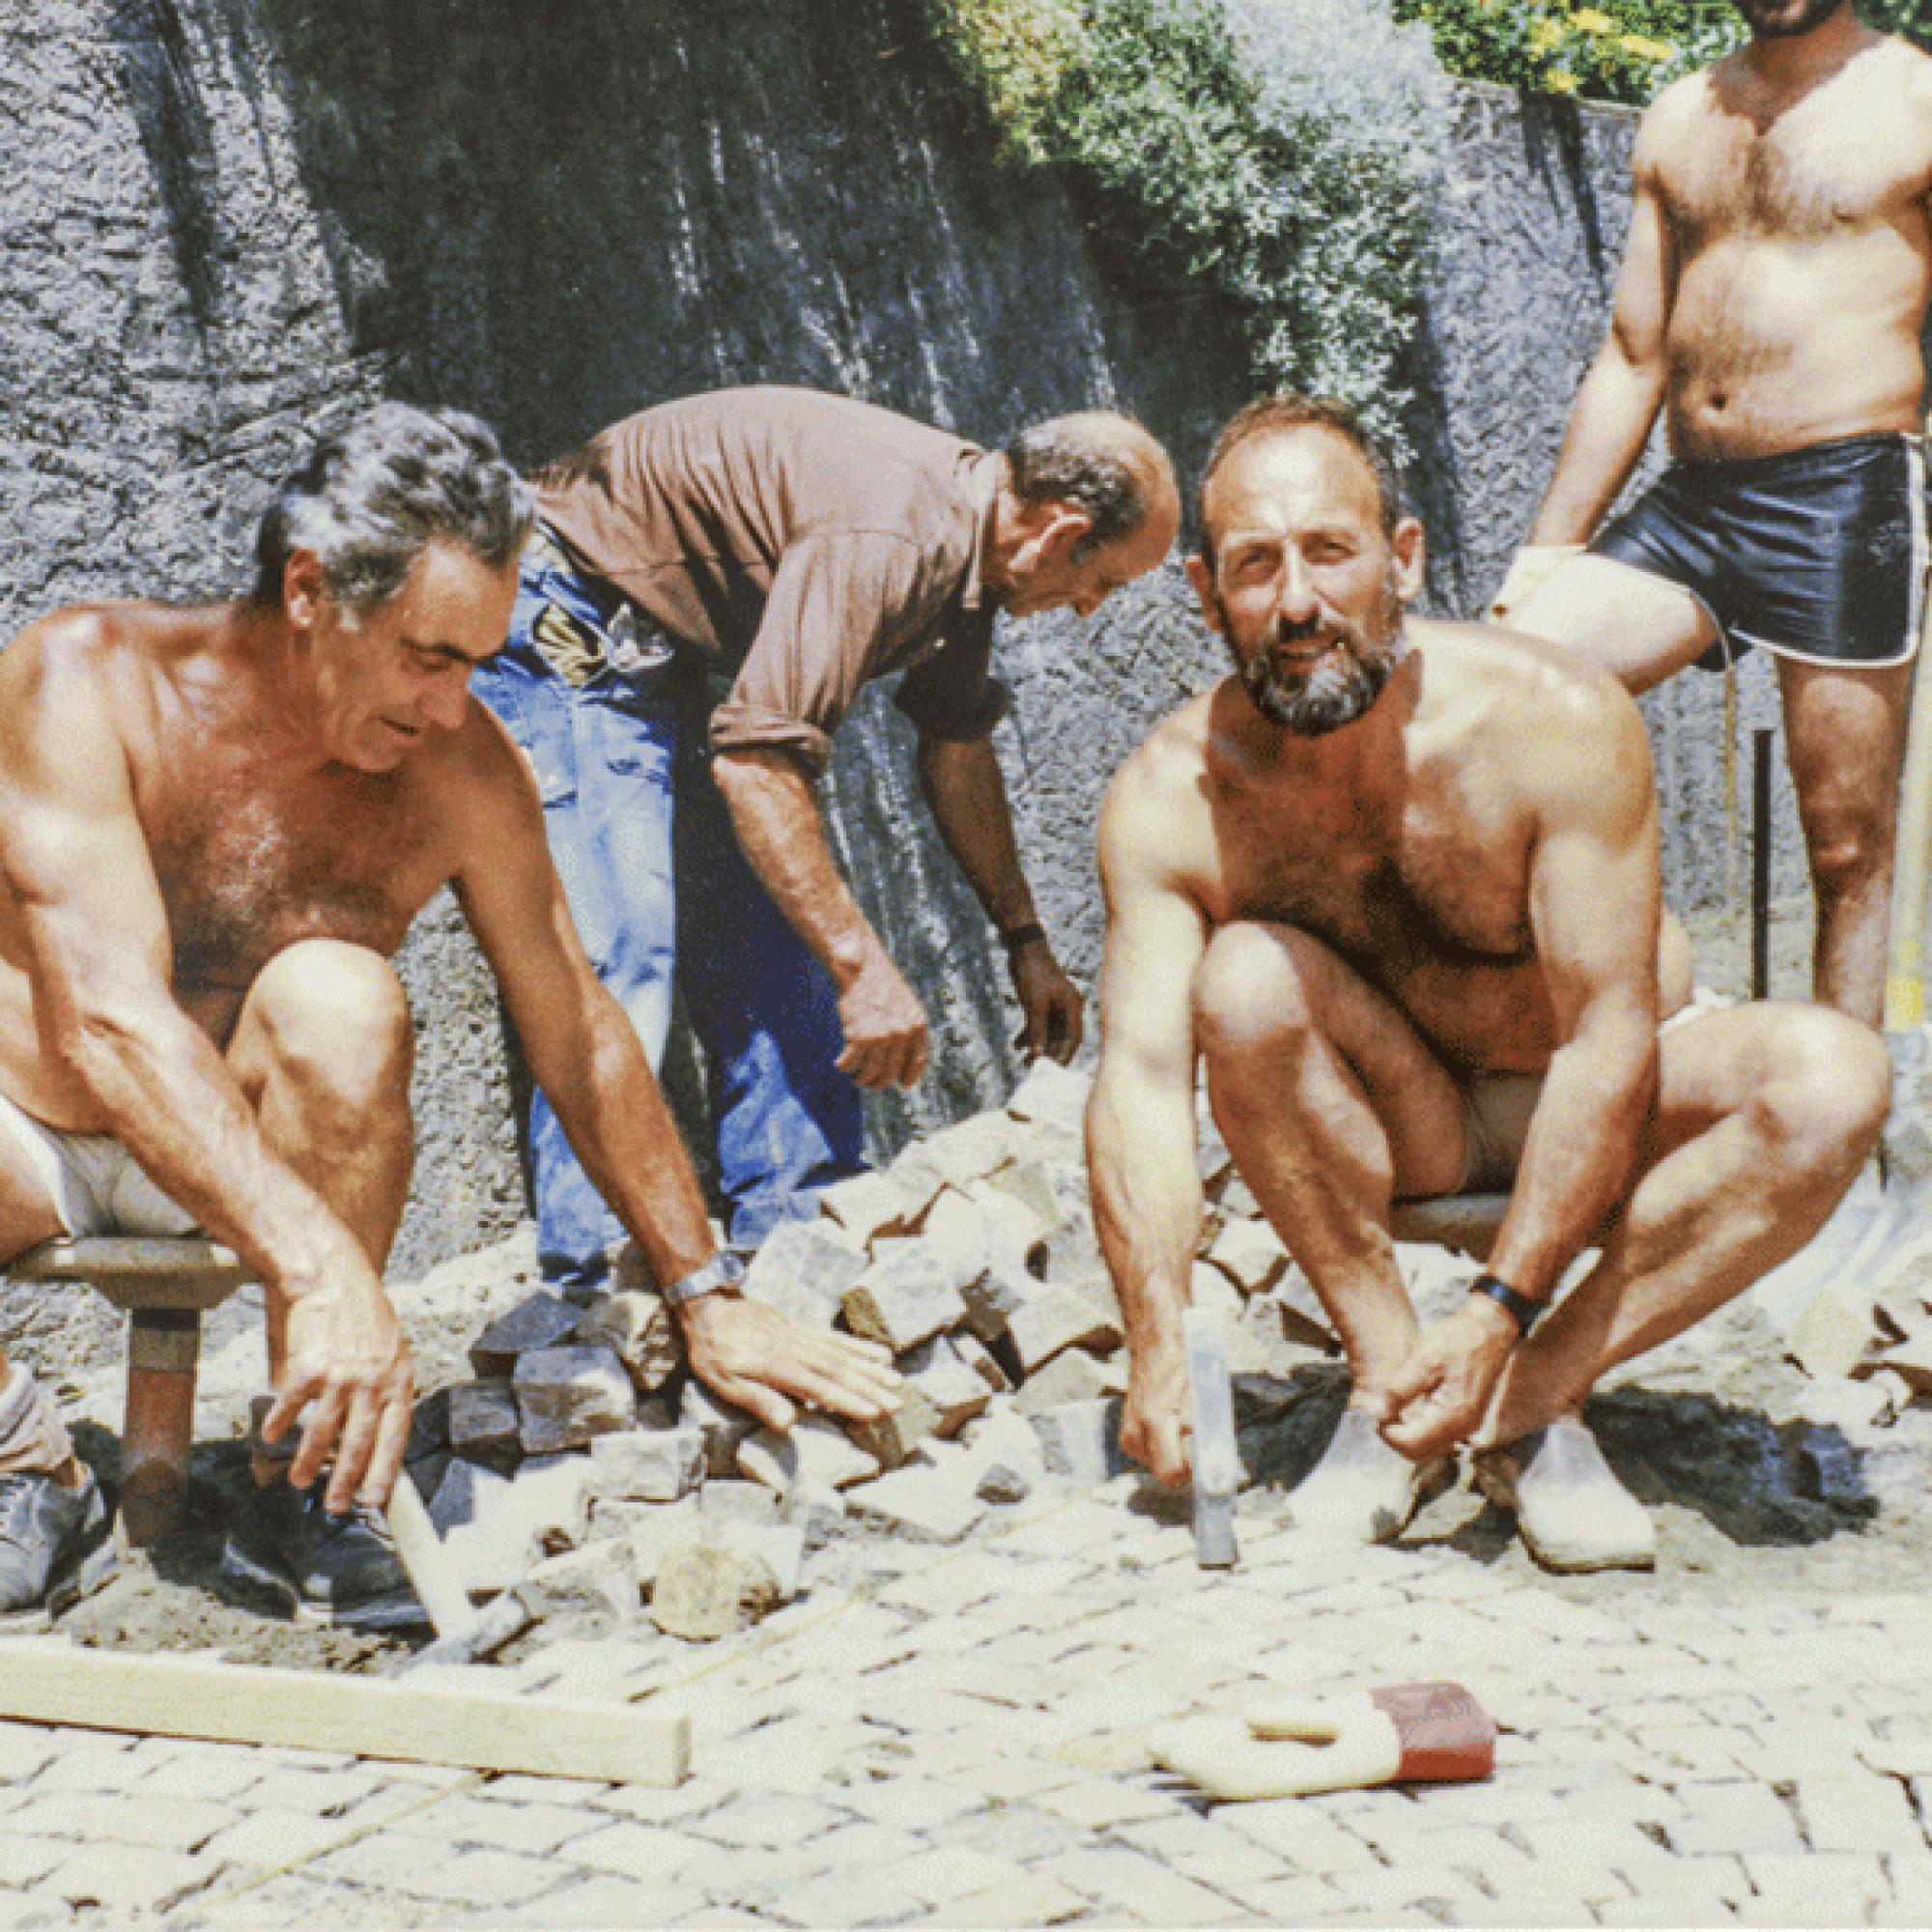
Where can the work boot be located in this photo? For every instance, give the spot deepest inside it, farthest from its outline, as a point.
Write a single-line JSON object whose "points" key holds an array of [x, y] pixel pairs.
{"points": [[42, 1525], [1574, 1514], [1363, 1490], [341, 1560]]}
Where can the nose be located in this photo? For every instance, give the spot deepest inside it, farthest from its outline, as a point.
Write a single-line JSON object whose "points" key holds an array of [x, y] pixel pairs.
{"points": [[1299, 600], [445, 699], [1087, 602]]}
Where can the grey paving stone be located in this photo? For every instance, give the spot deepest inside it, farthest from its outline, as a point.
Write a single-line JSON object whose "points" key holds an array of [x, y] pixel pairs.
{"points": [[129, 1878], [640, 1852], [276, 1837], [606, 1902], [484, 1878], [177, 1825], [1132, 1882], [912, 1803], [24, 1858], [845, 1899], [757, 1820], [1739, 1818]]}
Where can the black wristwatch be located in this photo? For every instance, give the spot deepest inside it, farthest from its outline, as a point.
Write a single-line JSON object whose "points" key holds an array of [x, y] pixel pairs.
{"points": [[1524, 1312], [723, 1271]]}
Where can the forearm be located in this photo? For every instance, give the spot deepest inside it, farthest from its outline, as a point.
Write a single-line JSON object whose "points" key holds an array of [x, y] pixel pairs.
{"points": [[776, 815], [1576, 1160], [169, 1098], [968, 799], [1609, 428], [1145, 1184]]}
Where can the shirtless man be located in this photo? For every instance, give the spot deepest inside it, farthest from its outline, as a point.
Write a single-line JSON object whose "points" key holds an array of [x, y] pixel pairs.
{"points": [[1775, 281], [216, 826], [1396, 884]]}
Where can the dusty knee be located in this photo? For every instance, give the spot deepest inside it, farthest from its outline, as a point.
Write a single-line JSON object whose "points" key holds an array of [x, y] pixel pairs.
{"points": [[334, 1018], [1249, 994], [1848, 847]]}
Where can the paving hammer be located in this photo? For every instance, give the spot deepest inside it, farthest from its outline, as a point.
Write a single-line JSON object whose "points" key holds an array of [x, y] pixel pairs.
{"points": [[1217, 1464]]}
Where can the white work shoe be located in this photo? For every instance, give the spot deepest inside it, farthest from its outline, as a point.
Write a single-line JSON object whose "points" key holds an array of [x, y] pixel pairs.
{"points": [[1574, 1514], [1362, 1489]]}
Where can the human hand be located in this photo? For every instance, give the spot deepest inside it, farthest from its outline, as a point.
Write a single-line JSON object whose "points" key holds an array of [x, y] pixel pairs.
{"points": [[1532, 566], [759, 1358], [345, 1361], [1051, 1002], [884, 1026], [1159, 1415], [1442, 1391]]}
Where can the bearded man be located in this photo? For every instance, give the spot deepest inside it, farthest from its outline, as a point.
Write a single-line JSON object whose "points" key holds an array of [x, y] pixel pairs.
{"points": [[1396, 884], [1770, 303]]}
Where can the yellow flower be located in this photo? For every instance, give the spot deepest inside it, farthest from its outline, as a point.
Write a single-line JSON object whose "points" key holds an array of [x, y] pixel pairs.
{"points": [[1561, 83], [1587, 20], [1544, 33], [1647, 49]]}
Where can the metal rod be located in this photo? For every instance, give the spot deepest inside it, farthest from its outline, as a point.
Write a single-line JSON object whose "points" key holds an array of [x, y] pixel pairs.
{"points": [[1761, 864]]}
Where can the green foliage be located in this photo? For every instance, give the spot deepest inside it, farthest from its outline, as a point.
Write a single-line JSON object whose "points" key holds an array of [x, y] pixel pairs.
{"points": [[1280, 156], [1911, 18], [1605, 50]]}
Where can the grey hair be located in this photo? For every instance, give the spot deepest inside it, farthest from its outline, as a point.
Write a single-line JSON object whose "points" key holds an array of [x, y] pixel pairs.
{"points": [[1073, 460], [371, 495]]}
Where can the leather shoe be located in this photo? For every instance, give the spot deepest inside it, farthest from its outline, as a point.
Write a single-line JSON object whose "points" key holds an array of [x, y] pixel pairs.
{"points": [[1574, 1514]]}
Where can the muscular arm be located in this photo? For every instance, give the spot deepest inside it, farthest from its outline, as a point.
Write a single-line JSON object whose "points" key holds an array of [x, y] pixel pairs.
{"points": [[586, 1055], [1595, 911], [774, 812], [1140, 1155], [968, 799], [100, 956], [1620, 397]]}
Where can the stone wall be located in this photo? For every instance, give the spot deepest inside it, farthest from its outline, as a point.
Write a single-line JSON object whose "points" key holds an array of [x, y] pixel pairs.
{"points": [[227, 218]]}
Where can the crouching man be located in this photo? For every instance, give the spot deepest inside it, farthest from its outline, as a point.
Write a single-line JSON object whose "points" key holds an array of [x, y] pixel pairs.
{"points": [[216, 826], [1397, 883]]}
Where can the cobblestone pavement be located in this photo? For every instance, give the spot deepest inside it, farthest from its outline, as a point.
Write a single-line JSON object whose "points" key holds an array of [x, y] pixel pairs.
{"points": [[961, 1745]]}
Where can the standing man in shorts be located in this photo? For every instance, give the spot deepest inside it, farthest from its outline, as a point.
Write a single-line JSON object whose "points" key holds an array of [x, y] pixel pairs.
{"points": [[711, 582], [1770, 302], [1395, 886]]}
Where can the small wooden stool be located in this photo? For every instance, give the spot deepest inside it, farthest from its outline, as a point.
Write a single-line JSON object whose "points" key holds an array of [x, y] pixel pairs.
{"points": [[164, 1284], [1465, 1224]]}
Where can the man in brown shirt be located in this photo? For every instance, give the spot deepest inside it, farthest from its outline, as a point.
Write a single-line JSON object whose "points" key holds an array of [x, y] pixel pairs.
{"points": [[790, 546]]}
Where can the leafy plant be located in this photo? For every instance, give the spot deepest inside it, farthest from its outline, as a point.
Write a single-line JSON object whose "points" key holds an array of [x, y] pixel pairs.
{"points": [[1281, 154]]}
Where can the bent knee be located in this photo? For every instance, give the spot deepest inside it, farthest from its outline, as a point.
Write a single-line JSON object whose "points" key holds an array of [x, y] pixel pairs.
{"points": [[1249, 991], [335, 1012], [1830, 1088]]}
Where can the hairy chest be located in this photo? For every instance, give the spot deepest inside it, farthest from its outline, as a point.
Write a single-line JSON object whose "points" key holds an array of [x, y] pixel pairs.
{"points": [[248, 866], [1831, 166]]}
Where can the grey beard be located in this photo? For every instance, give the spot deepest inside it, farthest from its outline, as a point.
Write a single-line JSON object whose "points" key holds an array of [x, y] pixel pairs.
{"points": [[1332, 695]]}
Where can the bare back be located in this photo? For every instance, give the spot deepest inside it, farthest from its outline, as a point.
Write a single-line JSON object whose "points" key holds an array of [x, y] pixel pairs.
{"points": [[1427, 896], [1795, 224], [198, 801]]}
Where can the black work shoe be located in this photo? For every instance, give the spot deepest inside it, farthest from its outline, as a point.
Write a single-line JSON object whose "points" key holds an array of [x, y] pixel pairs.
{"points": [[42, 1525], [338, 1560]]}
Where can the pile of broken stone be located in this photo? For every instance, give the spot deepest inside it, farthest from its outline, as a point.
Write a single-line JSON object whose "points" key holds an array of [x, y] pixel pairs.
{"points": [[583, 1463]]}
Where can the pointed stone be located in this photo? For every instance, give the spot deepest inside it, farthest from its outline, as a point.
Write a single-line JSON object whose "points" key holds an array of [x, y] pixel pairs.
{"points": [[1059, 1320], [891, 1438], [652, 1466], [483, 1418], [1249, 1253], [814, 1450], [638, 1326], [567, 1396], [873, 1206], [1052, 1093], [723, 1425], [956, 1392], [703, 1592]]}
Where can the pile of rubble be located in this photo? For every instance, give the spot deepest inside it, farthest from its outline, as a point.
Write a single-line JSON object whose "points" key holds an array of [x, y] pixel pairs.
{"points": [[584, 1461]]}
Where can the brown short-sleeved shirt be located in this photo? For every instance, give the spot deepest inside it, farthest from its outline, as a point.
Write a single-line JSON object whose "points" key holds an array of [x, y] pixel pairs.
{"points": [[805, 543]]}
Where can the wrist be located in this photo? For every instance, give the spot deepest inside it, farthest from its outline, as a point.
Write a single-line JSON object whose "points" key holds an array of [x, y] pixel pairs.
{"points": [[1519, 1312], [1018, 938], [720, 1277]]}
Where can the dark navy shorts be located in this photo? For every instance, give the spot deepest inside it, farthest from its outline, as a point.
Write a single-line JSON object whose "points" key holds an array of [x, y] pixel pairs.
{"points": [[1816, 554]]}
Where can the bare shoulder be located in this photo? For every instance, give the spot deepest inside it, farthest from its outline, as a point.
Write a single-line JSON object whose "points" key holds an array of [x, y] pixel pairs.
{"points": [[92, 659], [1555, 718], [1160, 787], [483, 790], [1910, 68], [1674, 117]]}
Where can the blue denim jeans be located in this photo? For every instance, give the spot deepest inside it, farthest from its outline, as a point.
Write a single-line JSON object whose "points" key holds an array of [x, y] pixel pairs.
{"points": [[657, 883]]}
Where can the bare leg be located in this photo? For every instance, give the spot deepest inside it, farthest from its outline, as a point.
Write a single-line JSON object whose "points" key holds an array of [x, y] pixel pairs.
{"points": [[1765, 1114], [1640, 628], [1331, 1106], [323, 1052], [1845, 734]]}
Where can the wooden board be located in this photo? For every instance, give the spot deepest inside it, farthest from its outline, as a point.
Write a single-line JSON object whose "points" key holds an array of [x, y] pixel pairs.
{"points": [[53, 1682]]}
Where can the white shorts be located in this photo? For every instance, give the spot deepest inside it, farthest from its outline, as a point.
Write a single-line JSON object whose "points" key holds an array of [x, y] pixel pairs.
{"points": [[96, 1184]]}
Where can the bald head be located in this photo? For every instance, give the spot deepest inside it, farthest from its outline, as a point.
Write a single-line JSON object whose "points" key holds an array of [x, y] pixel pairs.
{"points": [[1103, 465]]}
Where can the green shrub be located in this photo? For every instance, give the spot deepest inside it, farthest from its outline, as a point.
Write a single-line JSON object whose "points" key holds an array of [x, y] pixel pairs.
{"points": [[1605, 50], [1280, 156]]}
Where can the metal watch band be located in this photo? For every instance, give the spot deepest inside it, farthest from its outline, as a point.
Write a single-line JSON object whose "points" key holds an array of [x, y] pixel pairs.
{"points": [[724, 1269], [1524, 1312]]}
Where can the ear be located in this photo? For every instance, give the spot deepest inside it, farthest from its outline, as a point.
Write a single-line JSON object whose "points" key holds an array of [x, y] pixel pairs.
{"points": [[1060, 528], [1406, 547], [303, 592], [1202, 579]]}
